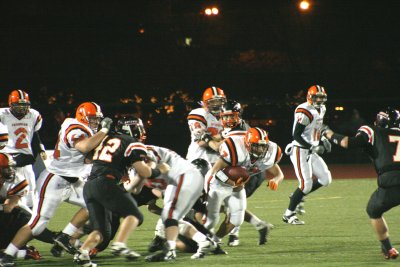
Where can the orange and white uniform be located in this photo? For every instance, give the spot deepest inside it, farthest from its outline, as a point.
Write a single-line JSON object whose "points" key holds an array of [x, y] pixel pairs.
{"points": [[20, 134], [63, 179], [233, 151], [201, 121], [18, 187], [185, 182], [3, 136], [307, 164]]}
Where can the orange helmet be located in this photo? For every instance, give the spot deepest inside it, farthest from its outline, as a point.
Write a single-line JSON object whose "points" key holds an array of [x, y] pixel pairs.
{"points": [[89, 113], [256, 141], [213, 100], [316, 96], [19, 103], [7, 167]]}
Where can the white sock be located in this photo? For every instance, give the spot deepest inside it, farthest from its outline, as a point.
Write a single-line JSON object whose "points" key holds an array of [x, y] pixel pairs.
{"points": [[160, 229], [119, 244], [199, 237], [235, 231], [11, 250], [288, 212], [171, 244], [254, 220], [21, 253], [70, 229]]}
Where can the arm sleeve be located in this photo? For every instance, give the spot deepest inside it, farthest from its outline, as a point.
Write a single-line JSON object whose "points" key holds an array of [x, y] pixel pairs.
{"points": [[360, 140], [298, 130], [37, 145]]}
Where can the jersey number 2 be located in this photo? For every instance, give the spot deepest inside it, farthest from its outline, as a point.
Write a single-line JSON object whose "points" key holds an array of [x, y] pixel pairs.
{"points": [[21, 142], [395, 139], [105, 151]]}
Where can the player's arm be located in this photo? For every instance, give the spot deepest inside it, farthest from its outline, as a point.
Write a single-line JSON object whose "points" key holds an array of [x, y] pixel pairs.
{"points": [[10, 203], [360, 140], [213, 142], [37, 146], [298, 131], [277, 177], [85, 145]]}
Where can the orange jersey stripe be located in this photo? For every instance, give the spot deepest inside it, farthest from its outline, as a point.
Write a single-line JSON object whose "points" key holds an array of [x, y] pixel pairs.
{"points": [[305, 112], [4, 137], [73, 127], [39, 118], [178, 189], [232, 151], [17, 188], [41, 199], [197, 118]]}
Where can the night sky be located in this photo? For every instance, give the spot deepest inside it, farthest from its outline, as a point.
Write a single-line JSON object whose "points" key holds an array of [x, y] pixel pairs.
{"points": [[265, 49]]}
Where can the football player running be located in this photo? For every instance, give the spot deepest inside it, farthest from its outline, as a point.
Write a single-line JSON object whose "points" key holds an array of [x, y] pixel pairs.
{"points": [[61, 181], [254, 152], [382, 144], [306, 148], [205, 126], [23, 124]]}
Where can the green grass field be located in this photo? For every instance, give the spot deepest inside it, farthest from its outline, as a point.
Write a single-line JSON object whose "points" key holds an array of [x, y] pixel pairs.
{"points": [[337, 233]]}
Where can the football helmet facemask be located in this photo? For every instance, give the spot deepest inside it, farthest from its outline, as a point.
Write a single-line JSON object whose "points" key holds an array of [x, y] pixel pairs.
{"points": [[316, 96], [231, 114], [388, 119], [213, 100], [89, 113], [132, 126], [19, 103], [7, 167], [257, 142]]}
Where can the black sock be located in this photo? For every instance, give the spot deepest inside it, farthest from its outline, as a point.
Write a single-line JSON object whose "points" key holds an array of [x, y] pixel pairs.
{"points": [[315, 185], [386, 245], [295, 199], [47, 236]]}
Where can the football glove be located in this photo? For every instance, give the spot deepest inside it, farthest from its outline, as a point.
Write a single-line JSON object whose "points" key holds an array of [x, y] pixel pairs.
{"points": [[273, 185], [206, 137], [324, 129], [327, 145], [106, 124], [317, 149]]}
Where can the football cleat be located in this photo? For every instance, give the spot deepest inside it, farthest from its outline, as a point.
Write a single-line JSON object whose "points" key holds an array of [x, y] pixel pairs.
{"points": [[156, 244], [57, 251], [169, 255], [233, 241], [123, 250], [83, 260], [292, 219], [63, 241], [7, 261], [32, 253], [391, 254], [204, 247], [219, 251]]}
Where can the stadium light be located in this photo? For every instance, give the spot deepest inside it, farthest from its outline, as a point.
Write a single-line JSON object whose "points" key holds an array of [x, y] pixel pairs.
{"points": [[211, 11], [339, 108], [304, 5]]}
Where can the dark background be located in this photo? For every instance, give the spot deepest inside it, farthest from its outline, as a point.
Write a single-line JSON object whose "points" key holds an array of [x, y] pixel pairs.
{"points": [[263, 53]]}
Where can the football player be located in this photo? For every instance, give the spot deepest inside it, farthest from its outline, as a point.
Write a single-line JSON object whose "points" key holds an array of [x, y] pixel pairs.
{"points": [[382, 144], [254, 152], [306, 148], [205, 126], [23, 124], [61, 181], [104, 194], [3, 136]]}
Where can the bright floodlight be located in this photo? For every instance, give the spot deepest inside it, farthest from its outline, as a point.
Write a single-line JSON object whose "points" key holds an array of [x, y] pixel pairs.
{"points": [[208, 11], [215, 11], [304, 5]]}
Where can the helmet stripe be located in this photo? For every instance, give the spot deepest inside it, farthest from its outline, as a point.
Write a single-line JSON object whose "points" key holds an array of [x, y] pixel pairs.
{"points": [[262, 133], [319, 88], [21, 94], [215, 90]]}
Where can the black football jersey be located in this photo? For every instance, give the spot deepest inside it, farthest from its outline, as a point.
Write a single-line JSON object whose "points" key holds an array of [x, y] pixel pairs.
{"points": [[115, 154], [383, 146]]}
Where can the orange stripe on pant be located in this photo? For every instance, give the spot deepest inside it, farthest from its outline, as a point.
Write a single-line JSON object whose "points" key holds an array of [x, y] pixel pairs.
{"points": [[299, 168], [41, 199], [178, 189]]}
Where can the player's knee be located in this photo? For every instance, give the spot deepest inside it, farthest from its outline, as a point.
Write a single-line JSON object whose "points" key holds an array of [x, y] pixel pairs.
{"points": [[183, 227], [237, 218], [306, 188], [326, 179], [38, 226], [170, 222], [374, 211]]}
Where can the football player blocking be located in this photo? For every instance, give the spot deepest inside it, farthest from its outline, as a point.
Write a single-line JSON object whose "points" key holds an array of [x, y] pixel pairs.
{"points": [[382, 143], [306, 149]]}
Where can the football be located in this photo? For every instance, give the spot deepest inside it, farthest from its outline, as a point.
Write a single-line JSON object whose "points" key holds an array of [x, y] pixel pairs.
{"points": [[234, 173]]}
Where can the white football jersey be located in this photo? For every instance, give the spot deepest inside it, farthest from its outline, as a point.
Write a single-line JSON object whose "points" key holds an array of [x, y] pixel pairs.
{"points": [[201, 121], [178, 164], [233, 151], [3, 136], [18, 187], [313, 119], [20, 132], [67, 160]]}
